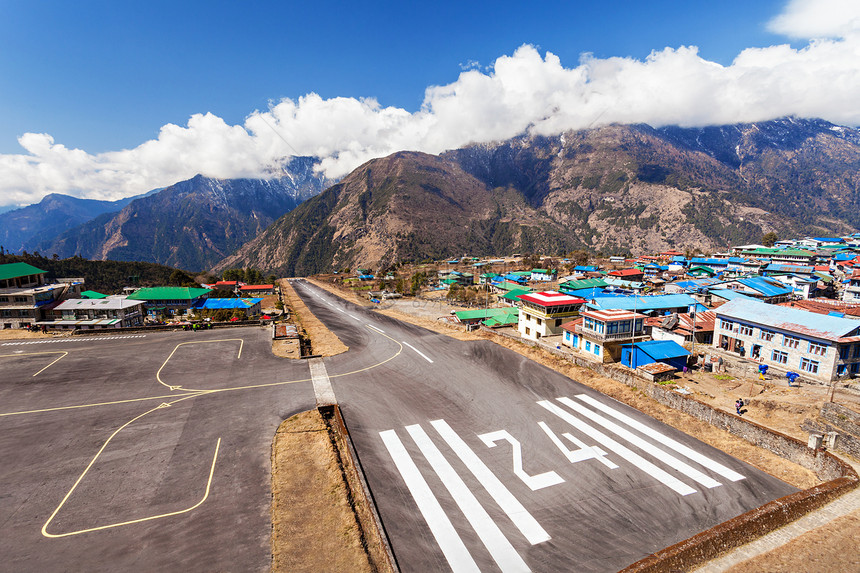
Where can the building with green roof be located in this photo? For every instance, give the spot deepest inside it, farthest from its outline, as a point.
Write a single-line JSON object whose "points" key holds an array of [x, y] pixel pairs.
{"points": [[20, 275], [169, 300], [91, 294], [504, 315]]}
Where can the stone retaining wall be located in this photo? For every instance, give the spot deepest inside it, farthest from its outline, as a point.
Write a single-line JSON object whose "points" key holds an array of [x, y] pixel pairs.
{"points": [[841, 420]]}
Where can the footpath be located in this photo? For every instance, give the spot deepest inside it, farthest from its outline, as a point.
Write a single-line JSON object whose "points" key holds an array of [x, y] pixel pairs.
{"points": [[812, 550]]}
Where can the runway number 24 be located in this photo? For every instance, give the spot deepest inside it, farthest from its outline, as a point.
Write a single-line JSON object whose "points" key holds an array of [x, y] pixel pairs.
{"points": [[546, 479]]}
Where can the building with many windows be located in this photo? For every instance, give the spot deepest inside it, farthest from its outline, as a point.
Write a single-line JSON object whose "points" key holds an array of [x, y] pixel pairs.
{"points": [[25, 296], [542, 313], [816, 346], [599, 334], [96, 313]]}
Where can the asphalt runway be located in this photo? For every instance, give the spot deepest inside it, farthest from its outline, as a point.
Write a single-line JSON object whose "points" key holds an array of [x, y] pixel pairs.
{"points": [[152, 453], [479, 459], [146, 453]]}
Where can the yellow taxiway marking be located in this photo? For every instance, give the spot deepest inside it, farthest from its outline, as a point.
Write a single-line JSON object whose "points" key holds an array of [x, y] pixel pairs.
{"points": [[62, 354], [78, 406], [270, 384], [132, 521], [241, 342], [201, 392]]}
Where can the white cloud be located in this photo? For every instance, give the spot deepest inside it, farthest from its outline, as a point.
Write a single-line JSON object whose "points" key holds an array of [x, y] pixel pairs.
{"points": [[818, 19], [521, 92]]}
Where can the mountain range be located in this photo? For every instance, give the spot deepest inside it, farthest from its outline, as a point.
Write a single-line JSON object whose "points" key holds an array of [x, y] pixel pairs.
{"points": [[24, 228], [614, 189], [193, 224]]}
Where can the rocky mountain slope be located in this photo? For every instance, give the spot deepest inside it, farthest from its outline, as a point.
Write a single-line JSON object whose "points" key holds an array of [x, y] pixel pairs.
{"points": [[192, 224], [615, 189], [24, 228]]}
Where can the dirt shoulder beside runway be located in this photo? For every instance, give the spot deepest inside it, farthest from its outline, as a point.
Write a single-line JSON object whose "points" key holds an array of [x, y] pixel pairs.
{"points": [[313, 525], [323, 341]]}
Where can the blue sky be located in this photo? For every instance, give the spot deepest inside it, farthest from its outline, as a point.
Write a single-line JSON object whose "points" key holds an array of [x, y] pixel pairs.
{"points": [[103, 77], [108, 75]]}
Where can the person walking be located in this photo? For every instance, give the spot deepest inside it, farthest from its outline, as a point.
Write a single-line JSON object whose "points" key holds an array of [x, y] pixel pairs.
{"points": [[739, 404]]}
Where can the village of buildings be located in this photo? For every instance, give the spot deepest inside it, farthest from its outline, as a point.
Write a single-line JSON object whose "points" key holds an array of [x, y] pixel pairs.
{"points": [[793, 309]]}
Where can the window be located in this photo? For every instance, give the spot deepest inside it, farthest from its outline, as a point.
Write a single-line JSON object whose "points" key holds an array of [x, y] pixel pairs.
{"points": [[528, 331], [855, 368], [841, 370], [790, 341], [808, 365], [745, 330], [588, 346], [597, 350], [857, 351], [779, 357], [817, 349], [767, 335], [844, 352], [727, 324]]}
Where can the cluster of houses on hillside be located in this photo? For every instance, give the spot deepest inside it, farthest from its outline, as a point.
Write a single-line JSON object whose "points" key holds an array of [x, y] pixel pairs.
{"points": [[28, 300], [793, 308]]}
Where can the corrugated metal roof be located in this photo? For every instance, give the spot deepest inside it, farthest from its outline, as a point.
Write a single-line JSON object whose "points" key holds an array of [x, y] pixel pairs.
{"points": [[661, 349], [485, 313], [15, 270], [583, 284], [643, 303], [168, 293], [107, 303], [765, 287], [791, 319], [227, 303], [550, 298], [799, 269], [729, 294]]}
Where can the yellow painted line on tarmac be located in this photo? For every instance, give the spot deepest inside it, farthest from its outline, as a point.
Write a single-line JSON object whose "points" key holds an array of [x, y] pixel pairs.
{"points": [[94, 404], [63, 354], [96, 457], [241, 342], [270, 384], [201, 392]]}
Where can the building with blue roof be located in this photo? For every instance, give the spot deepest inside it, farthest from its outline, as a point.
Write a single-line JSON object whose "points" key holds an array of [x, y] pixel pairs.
{"points": [[665, 351], [767, 290], [657, 305], [248, 306], [719, 295], [819, 347]]}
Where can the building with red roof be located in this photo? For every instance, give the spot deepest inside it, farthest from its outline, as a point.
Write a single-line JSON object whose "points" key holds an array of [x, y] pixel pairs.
{"points": [[257, 289], [543, 313], [628, 274], [599, 334]]}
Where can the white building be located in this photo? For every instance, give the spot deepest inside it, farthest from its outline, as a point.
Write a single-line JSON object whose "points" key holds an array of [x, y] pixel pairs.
{"points": [[543, 313], [816, 346], [98, 313]]}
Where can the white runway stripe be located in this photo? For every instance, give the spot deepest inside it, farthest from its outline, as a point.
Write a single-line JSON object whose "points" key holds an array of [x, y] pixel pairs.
{"points": [[643, 445], [515, 511], [504, 554], [440, 526], [610, 444], [80, 339], [421, 354], [690, 453]]}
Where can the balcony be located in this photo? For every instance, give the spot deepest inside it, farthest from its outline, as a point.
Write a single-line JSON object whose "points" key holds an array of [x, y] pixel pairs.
{"points": [[593, 335]]}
